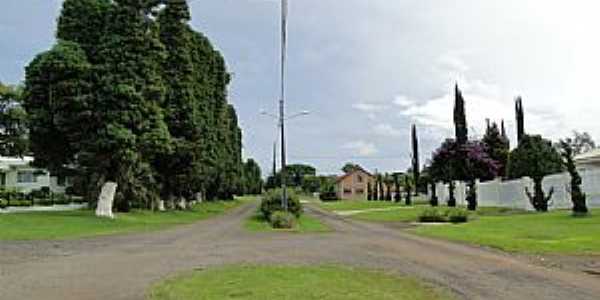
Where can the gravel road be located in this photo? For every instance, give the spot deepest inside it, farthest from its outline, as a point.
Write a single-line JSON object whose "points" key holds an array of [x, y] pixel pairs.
{"points": [[125, 266]]}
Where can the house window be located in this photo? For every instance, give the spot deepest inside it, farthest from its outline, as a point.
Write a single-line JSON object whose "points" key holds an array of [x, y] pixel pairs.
{"points": [[347, 191], [359, 178], [25, 177], [360, 191]]}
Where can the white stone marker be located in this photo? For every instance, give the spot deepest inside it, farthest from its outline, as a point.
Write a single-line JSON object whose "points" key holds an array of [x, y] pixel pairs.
{"points": [[161, 205], [106, 199]]}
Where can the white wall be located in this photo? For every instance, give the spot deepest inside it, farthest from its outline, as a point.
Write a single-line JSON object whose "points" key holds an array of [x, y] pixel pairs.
{"points": [[512, 193]]}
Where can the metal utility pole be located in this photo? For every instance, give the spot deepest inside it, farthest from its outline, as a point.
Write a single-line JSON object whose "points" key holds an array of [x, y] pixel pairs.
{"points": [[284, 11]]}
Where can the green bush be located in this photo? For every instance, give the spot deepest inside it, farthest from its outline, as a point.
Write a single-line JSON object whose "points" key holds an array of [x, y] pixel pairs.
{"points": [[328, 196], [271, 202], [457, 215], [283, 220], [431, 215], [43, 193]]}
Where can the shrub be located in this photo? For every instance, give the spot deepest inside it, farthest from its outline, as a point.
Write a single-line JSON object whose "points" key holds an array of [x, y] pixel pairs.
{"points": [[457, 215], [431, 215], [328, 196], [271, 202], [283, 220], [43, 193]]}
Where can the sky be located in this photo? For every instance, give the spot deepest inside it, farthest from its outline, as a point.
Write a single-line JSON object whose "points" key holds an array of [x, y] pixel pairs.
{"points": [[368, 69]]}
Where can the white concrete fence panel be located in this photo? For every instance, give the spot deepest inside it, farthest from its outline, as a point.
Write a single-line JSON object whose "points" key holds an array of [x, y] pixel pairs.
{"points": [[512, 193]]}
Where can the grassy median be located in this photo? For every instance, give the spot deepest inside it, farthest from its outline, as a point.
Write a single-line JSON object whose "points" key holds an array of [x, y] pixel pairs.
{"points": [[297, 283]]}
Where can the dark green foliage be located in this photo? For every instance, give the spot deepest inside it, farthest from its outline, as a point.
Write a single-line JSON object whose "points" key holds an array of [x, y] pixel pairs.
{"points": [[408, 192], [466, 162], [271, 202], [59, 103], [13, 122], [581, 142], [460, 118], [431, 215], [328, 196], [350, 167], [457, 215], [452, 215], [535, 158], [416, 168], [430, 183], [434, 199], [577, 195], [369, 191], [132, 94], [295, 175], [297, 172], [380, 187], [252, 178], [311, 184], [497, 146], [84, 22], [520, 115], [397, 196], [283, 220]]}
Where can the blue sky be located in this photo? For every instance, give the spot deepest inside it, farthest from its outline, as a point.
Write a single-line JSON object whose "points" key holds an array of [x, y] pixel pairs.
{"points": [[367, 69]]}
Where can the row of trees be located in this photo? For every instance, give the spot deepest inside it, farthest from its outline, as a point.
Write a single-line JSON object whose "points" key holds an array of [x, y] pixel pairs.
{"points": [[462, 159], [132, 94]]}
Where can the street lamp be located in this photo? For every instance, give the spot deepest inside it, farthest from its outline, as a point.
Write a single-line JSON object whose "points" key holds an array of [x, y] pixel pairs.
{"points": [[281, 123]]}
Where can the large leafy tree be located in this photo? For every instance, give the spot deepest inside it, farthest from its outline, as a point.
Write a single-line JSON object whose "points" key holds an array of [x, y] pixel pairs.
{"points": [[535, 157], [58, 98], [253, 178], [132, 94], [580, 142], [13, 122], [350, 167], [467, 162], [497, 146]]}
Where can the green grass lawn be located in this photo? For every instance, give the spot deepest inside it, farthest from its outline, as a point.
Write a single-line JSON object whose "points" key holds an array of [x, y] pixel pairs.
{"points": [[306, 224], [293, 283], [83, 223], [402, 213], [356, 205], [551, 233]]}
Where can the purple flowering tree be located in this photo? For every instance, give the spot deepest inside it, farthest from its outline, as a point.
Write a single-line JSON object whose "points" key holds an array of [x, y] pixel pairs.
{"points": [[466, 162]]}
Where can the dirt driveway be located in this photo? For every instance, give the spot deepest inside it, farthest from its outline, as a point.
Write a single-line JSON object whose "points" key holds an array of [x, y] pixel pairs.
{"points": [[123, 267]]}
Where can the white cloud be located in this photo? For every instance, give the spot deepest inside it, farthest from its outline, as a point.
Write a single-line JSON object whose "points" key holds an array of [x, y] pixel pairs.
{"points": [[386, 130], [361, 148], [403, 101], [369, 107]]}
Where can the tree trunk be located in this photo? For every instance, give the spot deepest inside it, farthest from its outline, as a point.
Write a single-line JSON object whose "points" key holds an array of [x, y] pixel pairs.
{"points": [[451, 198], [434, 199], [472, 196]]}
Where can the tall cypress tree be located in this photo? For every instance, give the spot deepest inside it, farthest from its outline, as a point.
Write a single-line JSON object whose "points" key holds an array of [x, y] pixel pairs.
{"points": [[520, 115], [416, 169], [460, 119]]}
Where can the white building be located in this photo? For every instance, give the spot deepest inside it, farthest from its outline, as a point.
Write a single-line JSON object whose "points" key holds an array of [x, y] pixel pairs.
{"points": [[588, 161], [18, 173]]}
